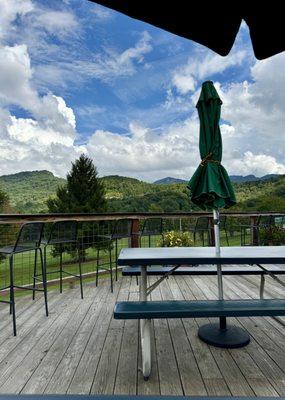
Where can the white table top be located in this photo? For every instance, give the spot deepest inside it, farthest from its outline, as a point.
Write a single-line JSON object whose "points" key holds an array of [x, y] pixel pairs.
{"points": [[202, 255]]}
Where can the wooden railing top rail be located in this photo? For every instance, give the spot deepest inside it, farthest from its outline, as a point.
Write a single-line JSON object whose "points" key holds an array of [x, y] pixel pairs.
{"points": [[21, 218]]}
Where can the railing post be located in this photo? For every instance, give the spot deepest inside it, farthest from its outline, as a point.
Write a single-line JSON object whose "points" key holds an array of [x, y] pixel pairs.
{"points": [[253, 230], [135, 234]]}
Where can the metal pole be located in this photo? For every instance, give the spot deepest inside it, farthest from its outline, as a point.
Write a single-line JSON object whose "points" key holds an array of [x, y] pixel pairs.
{"points": [[216, 215], [218, 251]]}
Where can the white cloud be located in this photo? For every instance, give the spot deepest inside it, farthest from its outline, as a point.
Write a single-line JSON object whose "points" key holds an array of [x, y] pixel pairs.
{"points": [[55, 22], [257, 164], [47, 138], [101, 14], [15, 77], [54, 127], [184, 83], [9, 10], [29, 144], [145, 153], [45, 141], [252, 134], [106, 66], [202, 65]]}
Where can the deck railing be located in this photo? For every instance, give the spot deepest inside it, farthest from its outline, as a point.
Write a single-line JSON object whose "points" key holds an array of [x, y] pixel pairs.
{"points": [[9, 226]]}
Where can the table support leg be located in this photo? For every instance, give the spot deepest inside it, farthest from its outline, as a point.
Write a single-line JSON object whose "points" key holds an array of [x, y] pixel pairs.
{"points": [[262, 284], [145, 328]]}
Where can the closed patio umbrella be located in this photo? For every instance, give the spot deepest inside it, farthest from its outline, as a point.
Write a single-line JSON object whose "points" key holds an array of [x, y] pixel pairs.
{"points": [[211, 189]]}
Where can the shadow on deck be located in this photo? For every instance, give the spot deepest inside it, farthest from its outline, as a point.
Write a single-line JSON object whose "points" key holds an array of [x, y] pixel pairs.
{"points": [[80, 348]]}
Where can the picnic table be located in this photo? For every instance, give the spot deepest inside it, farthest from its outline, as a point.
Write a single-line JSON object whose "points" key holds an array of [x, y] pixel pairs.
{"points": [[176, 257]]}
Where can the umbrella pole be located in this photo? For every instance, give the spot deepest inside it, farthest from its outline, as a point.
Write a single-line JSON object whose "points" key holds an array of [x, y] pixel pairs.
{"points": [[216, 217], [220, 334]]}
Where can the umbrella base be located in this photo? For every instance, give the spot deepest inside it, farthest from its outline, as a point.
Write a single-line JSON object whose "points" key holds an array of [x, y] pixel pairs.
{"points": [[231, 337]]}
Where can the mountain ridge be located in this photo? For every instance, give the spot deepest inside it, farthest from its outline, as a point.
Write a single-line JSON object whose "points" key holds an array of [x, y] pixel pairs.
{"points": [[234, 178], [29, 190]]}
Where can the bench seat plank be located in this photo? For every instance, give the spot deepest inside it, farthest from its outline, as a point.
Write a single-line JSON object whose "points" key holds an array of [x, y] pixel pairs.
{"points": [[198, 309], [203, 270]]}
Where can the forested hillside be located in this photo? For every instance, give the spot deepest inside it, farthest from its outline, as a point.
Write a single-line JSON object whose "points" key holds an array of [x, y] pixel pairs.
{"points": [[28, 192]]}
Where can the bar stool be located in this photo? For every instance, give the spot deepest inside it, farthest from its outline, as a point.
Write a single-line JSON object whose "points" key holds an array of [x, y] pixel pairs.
{"points": [[122, 229], [61, 235], [223, 227], [28, 239], [263, 221], [201, 227], [103, 243], [151, 227]]}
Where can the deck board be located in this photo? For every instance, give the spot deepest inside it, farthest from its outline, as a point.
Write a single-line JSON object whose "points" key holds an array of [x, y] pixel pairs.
{"points": [[81, 349]]}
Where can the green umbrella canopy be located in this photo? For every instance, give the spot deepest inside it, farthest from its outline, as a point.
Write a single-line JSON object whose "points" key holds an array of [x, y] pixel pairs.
{"points": [[210, 185]]}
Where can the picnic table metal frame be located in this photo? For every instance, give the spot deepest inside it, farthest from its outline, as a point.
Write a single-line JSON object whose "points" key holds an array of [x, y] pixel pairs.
{"points": [[176, 257]]}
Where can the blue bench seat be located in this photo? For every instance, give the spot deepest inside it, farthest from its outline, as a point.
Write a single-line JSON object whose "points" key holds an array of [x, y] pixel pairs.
{"points": [[198, 309]]}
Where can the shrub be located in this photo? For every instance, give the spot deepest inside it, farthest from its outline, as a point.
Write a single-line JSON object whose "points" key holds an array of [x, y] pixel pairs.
{"points": [[175, 239], [272, 235]]}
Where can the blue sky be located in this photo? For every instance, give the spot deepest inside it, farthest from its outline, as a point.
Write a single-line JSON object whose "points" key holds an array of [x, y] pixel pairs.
{"points": [[77, 77]]}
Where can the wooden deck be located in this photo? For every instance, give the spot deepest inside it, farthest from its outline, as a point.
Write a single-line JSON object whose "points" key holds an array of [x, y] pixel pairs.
{"points": [[80, 348]]}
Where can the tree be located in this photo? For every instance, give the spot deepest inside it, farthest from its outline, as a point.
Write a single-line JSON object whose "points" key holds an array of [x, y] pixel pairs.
{"points": [[4, 201], [84, 191]]}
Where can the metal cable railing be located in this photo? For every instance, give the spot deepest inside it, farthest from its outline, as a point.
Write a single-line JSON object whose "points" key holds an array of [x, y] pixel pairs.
{"points": [[93, 227]]}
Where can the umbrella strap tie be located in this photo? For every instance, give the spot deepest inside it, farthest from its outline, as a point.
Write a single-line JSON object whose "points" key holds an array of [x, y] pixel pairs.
{"points": [[209, 159]]}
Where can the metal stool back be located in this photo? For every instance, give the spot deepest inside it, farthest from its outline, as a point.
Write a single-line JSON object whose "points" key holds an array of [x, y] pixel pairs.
{"points": [[122, 229], [63, 232], [62, 235], [28, 239], [263, 221], [151, 227], [223, 227], [201, 226], [102, 240], [29, 236]]}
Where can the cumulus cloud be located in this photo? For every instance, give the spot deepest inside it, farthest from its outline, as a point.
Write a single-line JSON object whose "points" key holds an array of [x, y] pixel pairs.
{"points": [[43, 143], [144, 152], [46, 138], [200, 66], [257, 164], [255, 111], [252, 126], [15, 77]]}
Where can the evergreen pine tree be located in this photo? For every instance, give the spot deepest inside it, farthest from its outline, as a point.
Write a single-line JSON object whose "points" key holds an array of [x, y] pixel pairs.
{"points": [[4, 201], [83, 193]]}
